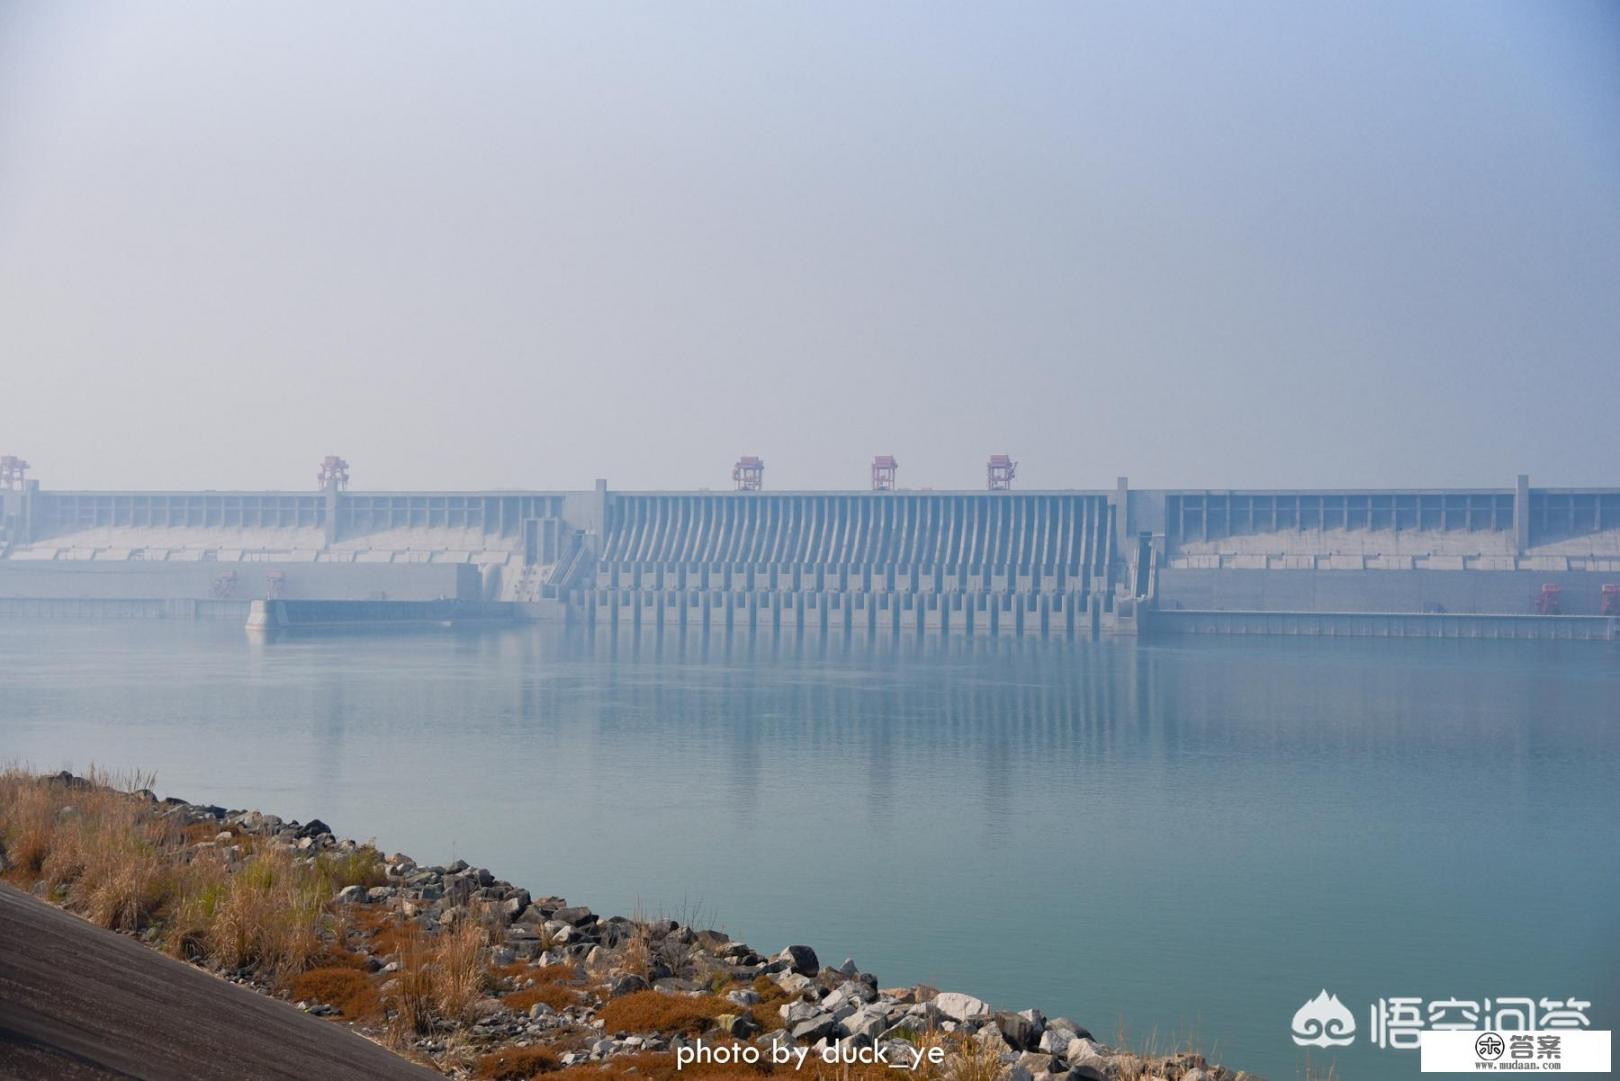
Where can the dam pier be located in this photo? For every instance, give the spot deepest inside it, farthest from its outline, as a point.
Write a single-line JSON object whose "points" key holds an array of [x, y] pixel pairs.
{"points": [[1515, 562]]}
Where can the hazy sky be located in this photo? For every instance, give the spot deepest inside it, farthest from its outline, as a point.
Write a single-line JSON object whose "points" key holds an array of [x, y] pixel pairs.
{"points": [[487, 245]]}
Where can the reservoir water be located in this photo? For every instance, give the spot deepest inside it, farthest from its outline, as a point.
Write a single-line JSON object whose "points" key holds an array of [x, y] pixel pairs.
{"points": [[1186, 838]]}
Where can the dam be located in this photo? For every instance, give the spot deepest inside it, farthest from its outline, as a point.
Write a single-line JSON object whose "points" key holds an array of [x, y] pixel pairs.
{"points": [[1519, 561]]}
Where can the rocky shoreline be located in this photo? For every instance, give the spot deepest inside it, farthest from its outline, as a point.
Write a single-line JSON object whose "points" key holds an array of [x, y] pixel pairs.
{"points": [[549, 986]]}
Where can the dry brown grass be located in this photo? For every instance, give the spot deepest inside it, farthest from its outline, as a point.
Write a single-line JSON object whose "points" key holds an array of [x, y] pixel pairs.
{"points": [[767, 1012], [525, 984], [651, 1011], [343, 986], [1148, 1055], [122, 862], [511, 973], [636, 956], [198, 832], [269, 916], [358, 866], [970, 1060], [461, 975], [27, 821], [553, 973], [384, 929], [515, 1064], [518, 971], [438, 980], [553, 995], [102, 852], [199, 888]]}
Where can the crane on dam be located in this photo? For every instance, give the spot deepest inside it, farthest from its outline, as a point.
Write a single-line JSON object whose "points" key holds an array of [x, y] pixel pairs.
{"points": [[883, 469], [999, 473], [333, 470], [748, 473], [13, 471]]}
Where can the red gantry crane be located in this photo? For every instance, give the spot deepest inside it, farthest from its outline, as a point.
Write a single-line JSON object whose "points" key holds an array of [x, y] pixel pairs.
{"points": [[13, 471], [749, 473], [332, 468], [883, 467], [1000, 472]]}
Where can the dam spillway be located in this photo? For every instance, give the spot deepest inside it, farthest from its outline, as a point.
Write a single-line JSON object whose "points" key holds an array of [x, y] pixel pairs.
{"points": [[877, 560], [1052, 563]]}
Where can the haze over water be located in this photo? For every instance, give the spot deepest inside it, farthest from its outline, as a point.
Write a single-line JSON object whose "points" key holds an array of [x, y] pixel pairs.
{"points": [[1189, 836]]}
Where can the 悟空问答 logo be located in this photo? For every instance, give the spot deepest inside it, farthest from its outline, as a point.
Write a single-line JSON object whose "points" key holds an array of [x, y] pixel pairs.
{"points": [[1324, 1022]]}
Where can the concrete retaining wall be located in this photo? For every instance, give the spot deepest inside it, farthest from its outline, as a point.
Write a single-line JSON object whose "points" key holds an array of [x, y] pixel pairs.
{"points": [[1496, 592], [1389, 625], [137, 580]]}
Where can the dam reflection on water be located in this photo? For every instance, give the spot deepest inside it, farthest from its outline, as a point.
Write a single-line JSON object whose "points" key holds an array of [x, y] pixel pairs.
{"points": [[1189, 835]]}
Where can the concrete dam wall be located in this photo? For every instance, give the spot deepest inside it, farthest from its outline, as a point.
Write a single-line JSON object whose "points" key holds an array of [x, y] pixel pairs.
{"points": [[877, 561], [1064, 563]]}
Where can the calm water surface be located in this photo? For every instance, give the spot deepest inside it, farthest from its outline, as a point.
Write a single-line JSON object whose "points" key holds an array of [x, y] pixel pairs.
{"points": [[1188, 838]]}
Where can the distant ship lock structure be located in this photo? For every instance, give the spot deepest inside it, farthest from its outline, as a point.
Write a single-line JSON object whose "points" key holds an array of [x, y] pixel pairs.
{"points": [[1518, 562]]}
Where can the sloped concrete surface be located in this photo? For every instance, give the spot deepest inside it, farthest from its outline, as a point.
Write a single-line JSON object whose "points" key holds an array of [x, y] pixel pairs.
{"points": [[80, 1002]]}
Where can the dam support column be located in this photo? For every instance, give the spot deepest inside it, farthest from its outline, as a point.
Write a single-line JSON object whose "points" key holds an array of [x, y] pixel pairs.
{"points": [[1521, 514], [1115, 566], [332, 496], [17, 509], [1122, 525], [30, 503]]}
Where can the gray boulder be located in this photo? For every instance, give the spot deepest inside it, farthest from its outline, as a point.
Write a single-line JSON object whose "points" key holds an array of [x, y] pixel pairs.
{"points": [[1019, 1031], [866, 1022], [627, 984], [802, 959], [816, 1028], [577, 916], [1070, 1026], [796, 1013], [1082, 1048], [791, 982], [850, 995], [1035, 1062], [960, 1007]]}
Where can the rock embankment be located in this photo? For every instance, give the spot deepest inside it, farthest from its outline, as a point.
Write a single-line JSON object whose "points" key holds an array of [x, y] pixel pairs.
{"points": [[466, 971]]}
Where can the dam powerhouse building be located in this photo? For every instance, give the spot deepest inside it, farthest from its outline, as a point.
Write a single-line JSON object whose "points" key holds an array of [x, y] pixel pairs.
{"points": [[1520, 561]]}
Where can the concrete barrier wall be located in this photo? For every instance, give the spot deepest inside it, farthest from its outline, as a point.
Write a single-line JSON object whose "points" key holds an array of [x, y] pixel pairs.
{"points": [[1389, 625], [1495, 592], [135, 579], [1488, 523], [499, 513]]}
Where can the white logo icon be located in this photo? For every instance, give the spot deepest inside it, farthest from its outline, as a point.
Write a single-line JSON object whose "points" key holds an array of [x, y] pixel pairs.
{"points": [[1324, 1022]]}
